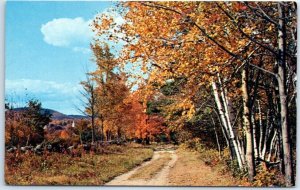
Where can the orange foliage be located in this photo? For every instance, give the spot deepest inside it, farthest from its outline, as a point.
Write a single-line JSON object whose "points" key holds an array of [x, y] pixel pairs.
{"points": [[64, 135], [142, 126]]}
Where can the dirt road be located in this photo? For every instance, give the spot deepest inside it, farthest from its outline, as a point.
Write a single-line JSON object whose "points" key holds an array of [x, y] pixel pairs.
{"points": [[174, 168], [160, 178], [190, 170]]}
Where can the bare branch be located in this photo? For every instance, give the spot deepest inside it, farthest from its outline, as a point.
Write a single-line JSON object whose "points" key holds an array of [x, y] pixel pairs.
{"points": [[263, 13], [264, 70]]}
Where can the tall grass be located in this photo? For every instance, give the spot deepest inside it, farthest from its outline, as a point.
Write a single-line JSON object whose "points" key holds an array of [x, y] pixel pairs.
{"points": [[63, 169]]}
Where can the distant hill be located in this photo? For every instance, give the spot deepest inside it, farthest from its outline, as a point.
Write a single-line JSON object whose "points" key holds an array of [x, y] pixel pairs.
{"points": [[56, 115]]}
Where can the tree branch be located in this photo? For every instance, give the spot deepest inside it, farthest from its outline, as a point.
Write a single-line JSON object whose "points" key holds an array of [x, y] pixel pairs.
{"points": [[263, 15], [264, 70], [193, 23], [213, 40], [154, 5], [243, 33]]}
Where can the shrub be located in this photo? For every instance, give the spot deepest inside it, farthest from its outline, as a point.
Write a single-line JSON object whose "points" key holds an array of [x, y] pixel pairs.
{"points": [[209, 156], [268, 177], [192, 144]]}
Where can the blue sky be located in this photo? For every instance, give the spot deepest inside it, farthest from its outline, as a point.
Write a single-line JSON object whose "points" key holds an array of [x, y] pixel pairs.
{"points": [[47, 51]]}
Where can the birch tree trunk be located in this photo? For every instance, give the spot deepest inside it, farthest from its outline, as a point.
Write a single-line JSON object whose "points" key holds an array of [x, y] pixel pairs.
{"points": [[264, 145], [225, 102], [229, 116], [254, 135], [277, 154], [241, 150], [247, 127], [281, 76], [228, 128], [272, 145]]}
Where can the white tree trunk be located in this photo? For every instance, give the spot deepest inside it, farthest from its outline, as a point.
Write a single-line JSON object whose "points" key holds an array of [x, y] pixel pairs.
{"points": [[254, 136], [281, 76], [264, 145], [229, 117], [225, 123], [247, 127], [272, 145], [241, 150]]}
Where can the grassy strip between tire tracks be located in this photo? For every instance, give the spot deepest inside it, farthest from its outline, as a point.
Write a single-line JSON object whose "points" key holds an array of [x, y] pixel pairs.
{"points": [[148, 171]]}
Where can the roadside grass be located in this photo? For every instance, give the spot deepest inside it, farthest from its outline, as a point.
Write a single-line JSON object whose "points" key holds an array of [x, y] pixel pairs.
{"points": [[63, 169], [148, 171]]}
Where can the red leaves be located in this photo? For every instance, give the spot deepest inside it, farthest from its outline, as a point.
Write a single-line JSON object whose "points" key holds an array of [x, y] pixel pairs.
{"points": [[214, 18], [239, 6]]}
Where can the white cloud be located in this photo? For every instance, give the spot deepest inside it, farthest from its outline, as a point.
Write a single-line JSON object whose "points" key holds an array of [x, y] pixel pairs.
{"points": [[82, 50], [76, 33], [40, 87], [54, 95], [67, 32]]}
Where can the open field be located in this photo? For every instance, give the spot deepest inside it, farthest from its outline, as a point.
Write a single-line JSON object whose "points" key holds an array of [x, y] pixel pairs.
{"points": [[62, 169]]}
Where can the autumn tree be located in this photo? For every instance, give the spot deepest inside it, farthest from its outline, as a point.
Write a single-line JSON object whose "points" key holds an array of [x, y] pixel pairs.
{"points": [[91, 100], [104, 90], [141, 122], [36, 118], [25, 126]]}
